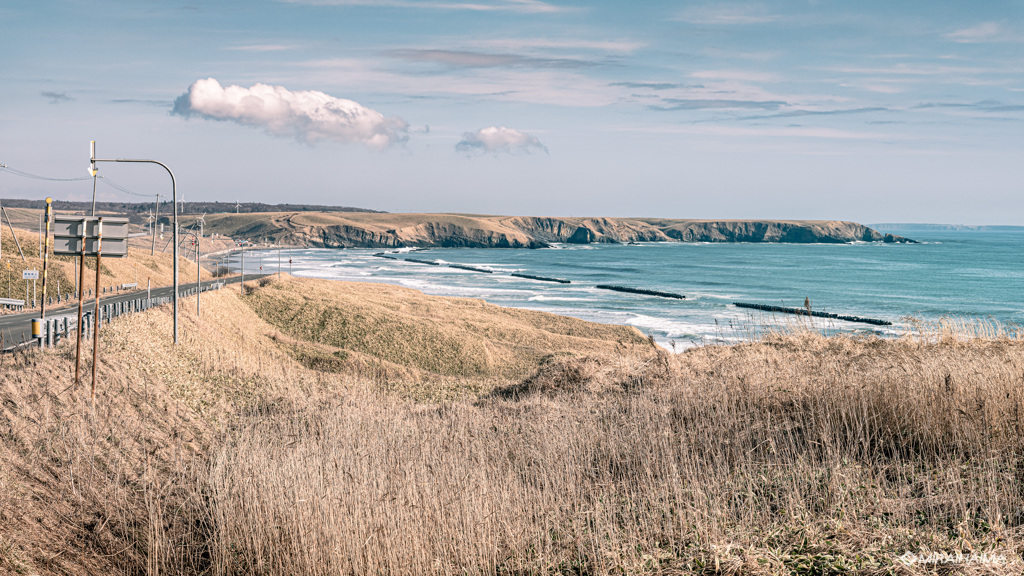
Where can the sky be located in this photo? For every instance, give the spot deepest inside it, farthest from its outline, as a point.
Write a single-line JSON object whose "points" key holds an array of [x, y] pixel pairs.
{"points": [[873, 111]]}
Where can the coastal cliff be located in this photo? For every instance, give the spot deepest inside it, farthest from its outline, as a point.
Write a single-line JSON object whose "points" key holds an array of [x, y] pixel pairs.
{"points": [[377, 230]]}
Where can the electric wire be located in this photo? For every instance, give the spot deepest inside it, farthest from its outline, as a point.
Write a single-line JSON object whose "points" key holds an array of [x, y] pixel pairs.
{"points": [[22, 173], [104, 179]]}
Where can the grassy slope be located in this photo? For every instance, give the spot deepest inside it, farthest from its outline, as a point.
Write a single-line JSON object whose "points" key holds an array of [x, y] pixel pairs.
{"points": [[356, 327], [798, 454]]}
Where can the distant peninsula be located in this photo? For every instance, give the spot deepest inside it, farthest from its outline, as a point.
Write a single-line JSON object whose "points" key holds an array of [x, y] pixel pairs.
{"points": [[383, 230]]}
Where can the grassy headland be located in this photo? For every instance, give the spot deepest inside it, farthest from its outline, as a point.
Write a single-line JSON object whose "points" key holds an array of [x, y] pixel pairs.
{"points": [[574, 448], [380, 230]]}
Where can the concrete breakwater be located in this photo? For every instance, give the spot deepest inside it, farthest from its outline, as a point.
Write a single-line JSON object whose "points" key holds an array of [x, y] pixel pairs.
{"points": [[815, 313], [540, 278], [643, 291], [471, 268], [418, 261]]}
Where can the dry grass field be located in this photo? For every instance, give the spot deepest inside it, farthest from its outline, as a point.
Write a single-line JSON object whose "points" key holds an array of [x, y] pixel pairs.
{"points": [[234, 454]]}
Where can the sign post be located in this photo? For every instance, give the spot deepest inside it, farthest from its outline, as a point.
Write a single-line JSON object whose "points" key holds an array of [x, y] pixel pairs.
{"points": [[32, 275], [87, 236]]}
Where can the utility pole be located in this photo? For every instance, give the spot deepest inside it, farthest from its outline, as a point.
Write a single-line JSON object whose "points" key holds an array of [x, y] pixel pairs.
{"points": [[46, 260], [156, 218]]}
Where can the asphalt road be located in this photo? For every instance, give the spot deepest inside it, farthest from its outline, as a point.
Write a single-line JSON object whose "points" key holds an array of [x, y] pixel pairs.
{"points": [[16, 329]]}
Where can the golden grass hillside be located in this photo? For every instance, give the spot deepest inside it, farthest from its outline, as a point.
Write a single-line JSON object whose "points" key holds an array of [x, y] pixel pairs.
{"points": [[379, 328], [795, 454]]}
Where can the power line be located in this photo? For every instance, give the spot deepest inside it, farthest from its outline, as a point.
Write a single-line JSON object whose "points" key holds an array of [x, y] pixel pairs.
{"points": [[6, 168], [104, 179], [113, 184]]}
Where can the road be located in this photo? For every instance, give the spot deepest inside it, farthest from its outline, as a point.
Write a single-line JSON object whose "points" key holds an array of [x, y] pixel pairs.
{"points": [[16, 329]]}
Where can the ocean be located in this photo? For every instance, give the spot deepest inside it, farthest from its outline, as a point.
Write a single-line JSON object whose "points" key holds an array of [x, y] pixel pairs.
{"points": [[972, 274]]}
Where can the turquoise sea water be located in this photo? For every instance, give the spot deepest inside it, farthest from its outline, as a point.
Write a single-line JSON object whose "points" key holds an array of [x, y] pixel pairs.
{"points": [[974, 274]]}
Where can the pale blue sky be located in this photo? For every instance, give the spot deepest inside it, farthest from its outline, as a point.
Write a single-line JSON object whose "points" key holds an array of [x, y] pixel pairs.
{"points": [[870, 111]]}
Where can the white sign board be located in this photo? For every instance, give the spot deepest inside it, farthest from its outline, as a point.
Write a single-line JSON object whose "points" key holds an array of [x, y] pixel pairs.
{"points": [[30, 275]]}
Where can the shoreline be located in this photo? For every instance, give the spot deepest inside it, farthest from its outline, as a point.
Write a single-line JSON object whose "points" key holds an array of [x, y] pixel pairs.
{"points": [[528, 281]]}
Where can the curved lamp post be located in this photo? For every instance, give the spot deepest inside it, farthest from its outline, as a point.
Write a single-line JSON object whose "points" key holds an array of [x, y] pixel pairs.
{"points": [[174, 202]]}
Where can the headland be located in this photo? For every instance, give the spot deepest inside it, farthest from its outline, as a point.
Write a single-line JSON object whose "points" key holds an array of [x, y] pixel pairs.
{"points": [[383, 230]]}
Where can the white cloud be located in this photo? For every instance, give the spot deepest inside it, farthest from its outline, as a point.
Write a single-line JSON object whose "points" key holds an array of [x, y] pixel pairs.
{"points": [[499, 139], [522, 6], [984, 32], [308, 115]]}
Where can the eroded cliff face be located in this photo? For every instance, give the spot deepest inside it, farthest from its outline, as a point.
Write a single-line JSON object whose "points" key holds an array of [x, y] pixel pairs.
{"points": [[466, 231], [832, 232], [586, 230]]}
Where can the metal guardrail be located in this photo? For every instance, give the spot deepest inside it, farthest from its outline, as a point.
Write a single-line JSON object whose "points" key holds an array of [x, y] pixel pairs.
{"points": [[12, 302], [57, 328]]}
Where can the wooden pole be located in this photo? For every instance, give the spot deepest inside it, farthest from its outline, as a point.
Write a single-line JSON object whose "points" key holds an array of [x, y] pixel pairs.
{"points": [[81, 297], [96, 319], [46, 257]]}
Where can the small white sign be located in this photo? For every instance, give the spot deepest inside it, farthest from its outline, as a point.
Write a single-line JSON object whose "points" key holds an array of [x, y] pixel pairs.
{"points": [[30, 275]]}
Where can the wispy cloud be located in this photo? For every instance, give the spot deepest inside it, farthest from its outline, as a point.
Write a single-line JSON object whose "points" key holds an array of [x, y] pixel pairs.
{"points": [[746, 132], [727, 14], [560, 44], [261, 48], [669, 104], [467, 59], [737, 75], [499, 140], [832, 112], [984, 32], [521, 6], [991, 106], [157, 103], [538, 85], [654, 85], [56, 97], [308, 116]]}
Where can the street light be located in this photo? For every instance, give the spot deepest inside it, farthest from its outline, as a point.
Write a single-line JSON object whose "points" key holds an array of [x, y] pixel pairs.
{"points": [[174, 202]]}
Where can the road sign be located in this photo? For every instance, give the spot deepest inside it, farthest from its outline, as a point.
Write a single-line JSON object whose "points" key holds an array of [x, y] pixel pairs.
{"points": [[30, 275], [67, 235]]}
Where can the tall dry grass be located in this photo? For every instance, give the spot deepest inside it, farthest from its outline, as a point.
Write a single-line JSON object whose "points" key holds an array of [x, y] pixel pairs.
{"points": [[798, 454], [795, 454]]}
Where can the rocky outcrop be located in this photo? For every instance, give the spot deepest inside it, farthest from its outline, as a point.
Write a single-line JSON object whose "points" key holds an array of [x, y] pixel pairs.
{"points": [[468, 231]]}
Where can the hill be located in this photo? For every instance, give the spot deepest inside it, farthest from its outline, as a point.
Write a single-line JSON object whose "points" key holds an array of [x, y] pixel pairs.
{"points": [[138, 212], [376, 230]]}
